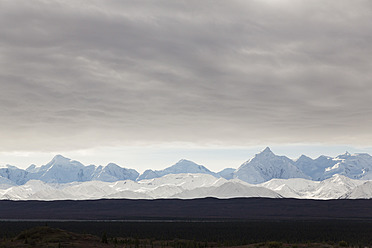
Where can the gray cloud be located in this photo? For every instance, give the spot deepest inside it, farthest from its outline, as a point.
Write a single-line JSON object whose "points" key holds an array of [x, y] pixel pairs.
{"points": [[75, 74]]}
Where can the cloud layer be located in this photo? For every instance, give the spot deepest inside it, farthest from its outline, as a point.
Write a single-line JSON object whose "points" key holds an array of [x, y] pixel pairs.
{"points": [[77, 74]]}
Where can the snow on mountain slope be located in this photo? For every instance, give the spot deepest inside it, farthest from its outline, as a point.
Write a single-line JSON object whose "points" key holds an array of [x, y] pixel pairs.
{"points": [[112, 173], [335, 187], [163, 187], [100, 190], [169, 186], [229, 189], [25, 192], [188, 186], [182, 166], [331, 188], [64, 170], [363, 191], [89, 190], [356, 166], [292, 188], [184, 180], [266, 166], [51, 194], [235, 188]]}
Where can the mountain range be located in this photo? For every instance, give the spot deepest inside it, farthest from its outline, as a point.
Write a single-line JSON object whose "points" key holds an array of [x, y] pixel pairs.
{"points": [[190, 186], [263, 167], [264, 175]]}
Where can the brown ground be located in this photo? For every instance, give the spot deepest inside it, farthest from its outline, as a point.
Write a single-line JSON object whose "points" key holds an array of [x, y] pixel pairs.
{"points": [[50, 237]]}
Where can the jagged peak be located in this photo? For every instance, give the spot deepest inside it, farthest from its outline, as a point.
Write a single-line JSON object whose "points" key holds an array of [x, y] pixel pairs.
{"points": [[267, 150]]}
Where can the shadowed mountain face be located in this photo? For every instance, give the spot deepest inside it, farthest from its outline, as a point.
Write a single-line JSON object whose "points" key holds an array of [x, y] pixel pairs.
{"points": [[227, 173], [314, 168]]}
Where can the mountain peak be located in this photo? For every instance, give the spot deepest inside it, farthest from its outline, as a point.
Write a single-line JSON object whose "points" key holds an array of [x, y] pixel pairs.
{"points": [[267, 150], [60, 160], [266, 166], [59, 157], [303, 158], [112, 165], [184, 161]]}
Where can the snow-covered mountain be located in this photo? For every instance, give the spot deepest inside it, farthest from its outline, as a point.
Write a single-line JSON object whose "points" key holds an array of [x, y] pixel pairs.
{"points": [[182, 186], [292, 188], [113, 172], [265, 175], [61, 170], [356, 166], [164, 187], [188, 186], [332, 188], [64, 170], [182, 166], [229, 189], [362, 191], [266, 166]]}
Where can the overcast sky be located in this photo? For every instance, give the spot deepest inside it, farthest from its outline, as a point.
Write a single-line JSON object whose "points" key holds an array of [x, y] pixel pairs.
{"points": [[78, 76]]}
